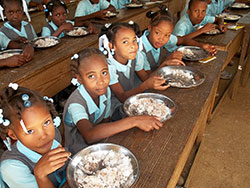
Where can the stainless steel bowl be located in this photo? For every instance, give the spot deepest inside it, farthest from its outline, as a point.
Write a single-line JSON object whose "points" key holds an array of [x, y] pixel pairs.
{"points": [[100, 147], [198, 53], [171, 78], [43, 38], [75, 28], [134, 5], [167, 101], [10, 53]]}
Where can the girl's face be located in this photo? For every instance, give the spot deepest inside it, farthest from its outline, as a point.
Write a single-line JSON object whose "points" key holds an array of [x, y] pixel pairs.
{"points": [[197, 12], [94, 75], [41, 131], [160, 34], [14, 13], [59, 16], [125, 45]]}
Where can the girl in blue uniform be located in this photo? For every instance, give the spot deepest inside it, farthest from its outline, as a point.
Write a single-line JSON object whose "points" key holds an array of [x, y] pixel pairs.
{"points": [[89, 105], [126, 62], [36, 159], [15, 28], [195, 17], [89, 9], [158, 41], [56, 13]]}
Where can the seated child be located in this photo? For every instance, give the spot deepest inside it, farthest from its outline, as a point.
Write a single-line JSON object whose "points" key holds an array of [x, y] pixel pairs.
{"points": [[195, 17], [56, 12], [158, 40], [15, 33], [36, 159], [90, 9], [118, 4], [125, 60], [90, 104]]}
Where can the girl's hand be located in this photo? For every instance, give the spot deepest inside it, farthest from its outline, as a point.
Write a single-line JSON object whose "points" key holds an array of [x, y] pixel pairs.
{"points": [[66, 27], [210, 49], [101, 15], [223, 28], [147, 123], [92, 29], [16, 61], [21, 40], [208, 27], [156, 82], [172, 62], [50, 162], [175, 55], [28, 52]]}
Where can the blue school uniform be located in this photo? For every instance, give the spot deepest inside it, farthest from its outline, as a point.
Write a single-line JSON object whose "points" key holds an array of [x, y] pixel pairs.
{"points": [[51, 27], [118, 4], [152, 57], [85, 7], [184, 26], [17, 166], [8, 33], [80, 106]]}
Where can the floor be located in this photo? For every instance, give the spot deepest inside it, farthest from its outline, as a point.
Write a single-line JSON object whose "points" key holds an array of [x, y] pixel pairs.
{"points": [[223, 157]]}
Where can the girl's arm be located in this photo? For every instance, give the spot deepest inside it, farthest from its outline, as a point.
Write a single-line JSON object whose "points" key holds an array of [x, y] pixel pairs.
{"points": [[64, 27], [208, 27], [93, 133]]}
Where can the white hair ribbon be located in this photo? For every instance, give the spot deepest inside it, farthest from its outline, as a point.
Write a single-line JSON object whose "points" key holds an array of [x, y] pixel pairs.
{"points": [[7, 143], [57, 121], [104, 43], [139, 40], [75, 82], [23, 126], [13, 86], [25, 9], [1, 12]]}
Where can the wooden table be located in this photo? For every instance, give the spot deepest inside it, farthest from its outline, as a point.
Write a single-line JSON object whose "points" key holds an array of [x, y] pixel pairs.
{"points": [[162, 154]]}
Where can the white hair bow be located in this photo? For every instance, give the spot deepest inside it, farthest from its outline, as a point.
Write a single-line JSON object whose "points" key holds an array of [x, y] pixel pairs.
{"points": [[25, 9], [104, 43], [1, 12], [13, 86]]}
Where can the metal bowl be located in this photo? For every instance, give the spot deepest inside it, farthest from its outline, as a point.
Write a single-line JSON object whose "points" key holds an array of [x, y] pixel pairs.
{"points": [[8, 53], [100, 147], [161, 98], [134, 5], [239, 6], [174, 79], [111, 14], [55, 39], [85, 32], [197, 53], [229, 17]]}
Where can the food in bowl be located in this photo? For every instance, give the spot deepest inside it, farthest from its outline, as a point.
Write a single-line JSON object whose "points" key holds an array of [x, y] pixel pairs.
{"points": [[78, 32], [45, 42]]}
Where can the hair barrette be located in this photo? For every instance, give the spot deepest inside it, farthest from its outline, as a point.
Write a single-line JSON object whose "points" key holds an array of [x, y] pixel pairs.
{"points": [[3, 121], [26, 102], [13, 86], [101, 49], [131, 22], [57, 121], [105, 52], [23, 126], [107, 25], [75, 82], [1, 12], [75, 56], [7, 143], [46, 98], [166, 9], [62, 2]]}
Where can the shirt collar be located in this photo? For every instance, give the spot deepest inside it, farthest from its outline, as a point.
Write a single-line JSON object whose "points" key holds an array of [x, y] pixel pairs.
{"points": [[7, 24], [147, 45], [32, 155], [92, 107], [53, 25], [120, 67]]}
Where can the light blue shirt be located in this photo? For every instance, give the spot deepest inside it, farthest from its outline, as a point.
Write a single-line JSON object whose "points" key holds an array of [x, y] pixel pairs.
{"points": [[46, 31], [17, 174], [172, 43], [118, 4], [77, 112], [184, 26], [115, 66], [85, 7], [4, 40]]}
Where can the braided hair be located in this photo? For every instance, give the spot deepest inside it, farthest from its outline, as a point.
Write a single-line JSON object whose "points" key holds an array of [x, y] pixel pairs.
{"points": [[52, 5], [162, 15], [12, 105], [79, 58]]}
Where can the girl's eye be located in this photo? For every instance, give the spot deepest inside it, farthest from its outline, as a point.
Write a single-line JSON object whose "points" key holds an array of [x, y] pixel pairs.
{"points": [[104, 73], [91, 76], [57, 15], [125, 42], [19, 12], [30, 131], [46, 123], [64, 14], [135, 41]]}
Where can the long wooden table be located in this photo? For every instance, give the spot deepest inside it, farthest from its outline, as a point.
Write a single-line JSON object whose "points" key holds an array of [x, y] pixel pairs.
{"points": [[162, 154]]}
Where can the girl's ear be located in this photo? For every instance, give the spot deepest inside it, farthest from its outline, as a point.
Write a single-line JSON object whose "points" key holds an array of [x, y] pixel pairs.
{"points": [[188, 11], [11, 134], [149, 27], [111, 46], [78, 78]]}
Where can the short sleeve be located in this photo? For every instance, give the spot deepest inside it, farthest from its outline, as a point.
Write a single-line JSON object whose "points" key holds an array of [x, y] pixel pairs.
{"points": [[180, 29], [17, 174], [4, 41], [209, 19], [104, 4], [108, 111], [172, 43], [81, 9], [142, 62], [46, 32], [77, 112], [113, 75]]}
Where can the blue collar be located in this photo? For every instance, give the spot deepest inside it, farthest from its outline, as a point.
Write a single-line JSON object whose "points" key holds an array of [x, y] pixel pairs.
{"points": [[32, 155], [120, 67], [92, 107], [147, 45], [53, 25]]}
